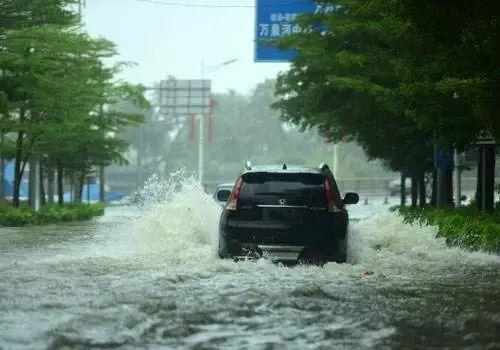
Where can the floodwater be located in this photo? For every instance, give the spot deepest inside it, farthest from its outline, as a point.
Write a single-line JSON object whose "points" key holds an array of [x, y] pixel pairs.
{"points": [[149, 278]]}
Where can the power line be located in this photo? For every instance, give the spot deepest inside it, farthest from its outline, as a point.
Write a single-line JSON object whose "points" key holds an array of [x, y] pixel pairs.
{"points": [[179, 4], [223, 4]]}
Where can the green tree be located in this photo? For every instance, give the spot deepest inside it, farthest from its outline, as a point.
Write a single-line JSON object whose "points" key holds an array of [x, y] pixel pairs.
{"points": [[55, 86], [346, 82], [374, 70]]}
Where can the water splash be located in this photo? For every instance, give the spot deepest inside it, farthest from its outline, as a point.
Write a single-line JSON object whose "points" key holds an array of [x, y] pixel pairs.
{"points": [[157, 190], [180, 227], [385, 241], [180, 221]]}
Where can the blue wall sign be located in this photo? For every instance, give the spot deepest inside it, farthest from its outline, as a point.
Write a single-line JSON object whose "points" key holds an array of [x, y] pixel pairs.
{"points": [[274, 19]]}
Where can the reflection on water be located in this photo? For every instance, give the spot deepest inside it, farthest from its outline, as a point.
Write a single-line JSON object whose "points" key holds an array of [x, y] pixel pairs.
{"points": [[150, 277]]}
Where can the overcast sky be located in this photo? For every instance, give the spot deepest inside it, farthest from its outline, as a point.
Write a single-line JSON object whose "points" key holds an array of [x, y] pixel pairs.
{"points": [[174, 40]]}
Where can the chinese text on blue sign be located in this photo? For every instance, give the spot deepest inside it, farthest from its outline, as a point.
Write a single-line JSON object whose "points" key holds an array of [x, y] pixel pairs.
{"points": [[275, 19]]}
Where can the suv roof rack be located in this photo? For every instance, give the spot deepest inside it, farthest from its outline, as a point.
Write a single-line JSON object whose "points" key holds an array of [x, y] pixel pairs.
{"points": [[248, 165]]}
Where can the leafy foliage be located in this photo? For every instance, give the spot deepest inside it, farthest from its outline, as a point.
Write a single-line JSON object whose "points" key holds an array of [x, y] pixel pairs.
{"points": [[467, 228], [54, 87], [396, 77], [22, 216]]}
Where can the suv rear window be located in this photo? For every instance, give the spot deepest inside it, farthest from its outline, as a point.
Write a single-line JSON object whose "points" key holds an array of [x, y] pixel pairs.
{"points": [[295, 188]]}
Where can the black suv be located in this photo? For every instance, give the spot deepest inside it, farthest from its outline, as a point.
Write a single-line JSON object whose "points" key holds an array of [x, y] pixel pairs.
{"points": [[289, 214]]}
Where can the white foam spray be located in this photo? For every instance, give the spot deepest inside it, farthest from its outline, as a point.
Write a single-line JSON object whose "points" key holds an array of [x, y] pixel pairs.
{"points": [[385, 241], [180, 221], [180, 226]]}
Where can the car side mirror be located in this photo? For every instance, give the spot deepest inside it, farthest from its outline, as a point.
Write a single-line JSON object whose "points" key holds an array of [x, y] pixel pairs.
{"points": [[223, 195], [351, 198]]}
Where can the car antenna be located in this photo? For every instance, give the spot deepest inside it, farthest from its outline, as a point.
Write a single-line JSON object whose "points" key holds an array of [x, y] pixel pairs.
{"points": [[248, 165], [284, 166]]}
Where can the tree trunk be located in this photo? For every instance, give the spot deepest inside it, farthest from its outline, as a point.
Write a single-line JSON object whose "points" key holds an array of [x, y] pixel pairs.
{"points": [[434, 188], [479, 183], [60, 179], [445, 188], [17, 169], [102, 178], [50, 184], [422, 189], [43, 200], [72, 187], [485, 191], [414, 189], [403, 189], [79, 183]]}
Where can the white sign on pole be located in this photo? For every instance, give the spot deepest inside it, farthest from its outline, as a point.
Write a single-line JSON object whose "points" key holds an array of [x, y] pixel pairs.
{"points": [[185, 97]]}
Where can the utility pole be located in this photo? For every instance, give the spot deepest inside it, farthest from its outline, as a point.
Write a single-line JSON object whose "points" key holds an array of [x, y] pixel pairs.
{"points": [[201, 139], [201, 149], [335, 160], [203, 115]]}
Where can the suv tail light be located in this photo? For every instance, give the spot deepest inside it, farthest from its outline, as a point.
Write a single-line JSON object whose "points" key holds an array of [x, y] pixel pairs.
{"points": [[332, 205], [233, 201]]}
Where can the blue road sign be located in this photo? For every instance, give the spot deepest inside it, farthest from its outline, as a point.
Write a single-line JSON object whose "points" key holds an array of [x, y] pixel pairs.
{"points": [[275, 19]]}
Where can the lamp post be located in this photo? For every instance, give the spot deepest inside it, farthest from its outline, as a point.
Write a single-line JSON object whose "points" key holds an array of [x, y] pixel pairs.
{"points": [[204, 71], [335, 160]]}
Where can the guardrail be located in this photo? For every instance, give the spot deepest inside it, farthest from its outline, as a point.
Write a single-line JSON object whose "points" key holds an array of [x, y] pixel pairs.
{"points": [[365, 186]]}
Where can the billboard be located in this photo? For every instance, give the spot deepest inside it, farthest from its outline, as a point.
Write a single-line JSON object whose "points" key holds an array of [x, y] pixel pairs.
{"points": [[275, 19], [185, 97]]}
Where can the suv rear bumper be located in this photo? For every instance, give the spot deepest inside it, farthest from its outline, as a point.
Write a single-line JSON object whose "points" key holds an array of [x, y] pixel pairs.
{"points": [[283, 241], [284, 253], [279, 253]]}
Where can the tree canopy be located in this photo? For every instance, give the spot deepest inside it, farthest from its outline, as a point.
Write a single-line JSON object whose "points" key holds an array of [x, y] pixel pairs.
{"points": [[54, 88], [401, 77]]}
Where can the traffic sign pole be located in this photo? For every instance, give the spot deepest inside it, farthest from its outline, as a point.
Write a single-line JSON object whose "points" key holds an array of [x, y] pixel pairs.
{"points": [[201, 150]]}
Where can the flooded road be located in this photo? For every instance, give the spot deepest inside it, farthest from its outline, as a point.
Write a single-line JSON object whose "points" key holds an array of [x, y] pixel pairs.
{"points": [[149, 278]]}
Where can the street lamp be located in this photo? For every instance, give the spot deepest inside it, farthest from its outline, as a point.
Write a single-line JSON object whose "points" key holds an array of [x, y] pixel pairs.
{"points": [[201, 141], [210, 69]]}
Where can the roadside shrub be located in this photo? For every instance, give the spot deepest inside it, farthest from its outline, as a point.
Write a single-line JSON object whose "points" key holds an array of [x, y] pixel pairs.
{"points": [[22, 216], [465, 227], [10, 216]]}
